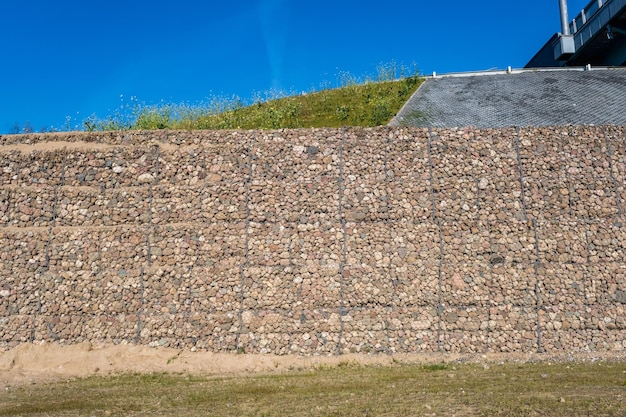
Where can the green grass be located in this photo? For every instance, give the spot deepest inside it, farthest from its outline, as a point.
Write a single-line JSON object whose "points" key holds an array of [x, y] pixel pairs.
{"points": [[366, 101], [369, 102], [566, 389]]}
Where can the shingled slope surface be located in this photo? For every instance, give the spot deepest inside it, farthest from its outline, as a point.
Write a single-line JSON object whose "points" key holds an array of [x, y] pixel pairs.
{"points": [[527, 98]]}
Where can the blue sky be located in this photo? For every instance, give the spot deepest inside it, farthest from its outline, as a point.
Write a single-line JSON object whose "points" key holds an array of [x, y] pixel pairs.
{"points": [[71, 59]]}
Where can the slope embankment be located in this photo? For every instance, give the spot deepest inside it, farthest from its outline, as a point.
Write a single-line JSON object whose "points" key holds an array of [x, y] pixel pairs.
{"points": [[317, 241]]}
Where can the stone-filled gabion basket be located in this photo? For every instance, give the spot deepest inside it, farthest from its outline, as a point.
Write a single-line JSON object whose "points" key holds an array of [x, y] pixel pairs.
{"points": [[317, 241]]}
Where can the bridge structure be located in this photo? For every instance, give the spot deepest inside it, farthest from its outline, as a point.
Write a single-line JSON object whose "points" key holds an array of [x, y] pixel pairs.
{"points": [[595, 36]]}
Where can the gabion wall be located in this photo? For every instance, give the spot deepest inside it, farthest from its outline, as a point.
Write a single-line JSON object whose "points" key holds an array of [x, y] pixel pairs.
{"points": [[317, 241]]}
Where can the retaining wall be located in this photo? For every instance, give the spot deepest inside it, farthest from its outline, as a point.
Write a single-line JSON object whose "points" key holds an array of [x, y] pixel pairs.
{"points": [[317, 241]]}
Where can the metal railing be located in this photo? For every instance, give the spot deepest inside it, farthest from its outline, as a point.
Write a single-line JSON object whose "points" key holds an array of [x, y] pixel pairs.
{"points": [[594, 19], [586, 14]]}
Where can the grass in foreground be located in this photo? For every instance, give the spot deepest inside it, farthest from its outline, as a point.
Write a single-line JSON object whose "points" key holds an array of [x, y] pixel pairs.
{"points": [[573, 389]]}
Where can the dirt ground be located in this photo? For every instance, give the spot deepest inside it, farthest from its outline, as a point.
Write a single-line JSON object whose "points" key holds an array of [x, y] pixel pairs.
{"points": [[35, 363]]}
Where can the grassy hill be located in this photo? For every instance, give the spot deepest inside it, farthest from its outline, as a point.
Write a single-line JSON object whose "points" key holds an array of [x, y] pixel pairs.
{"points": [[365, 104]]}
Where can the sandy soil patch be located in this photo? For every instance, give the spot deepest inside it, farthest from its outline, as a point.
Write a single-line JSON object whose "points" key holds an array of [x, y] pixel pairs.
{"points": [[33, 363]]}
